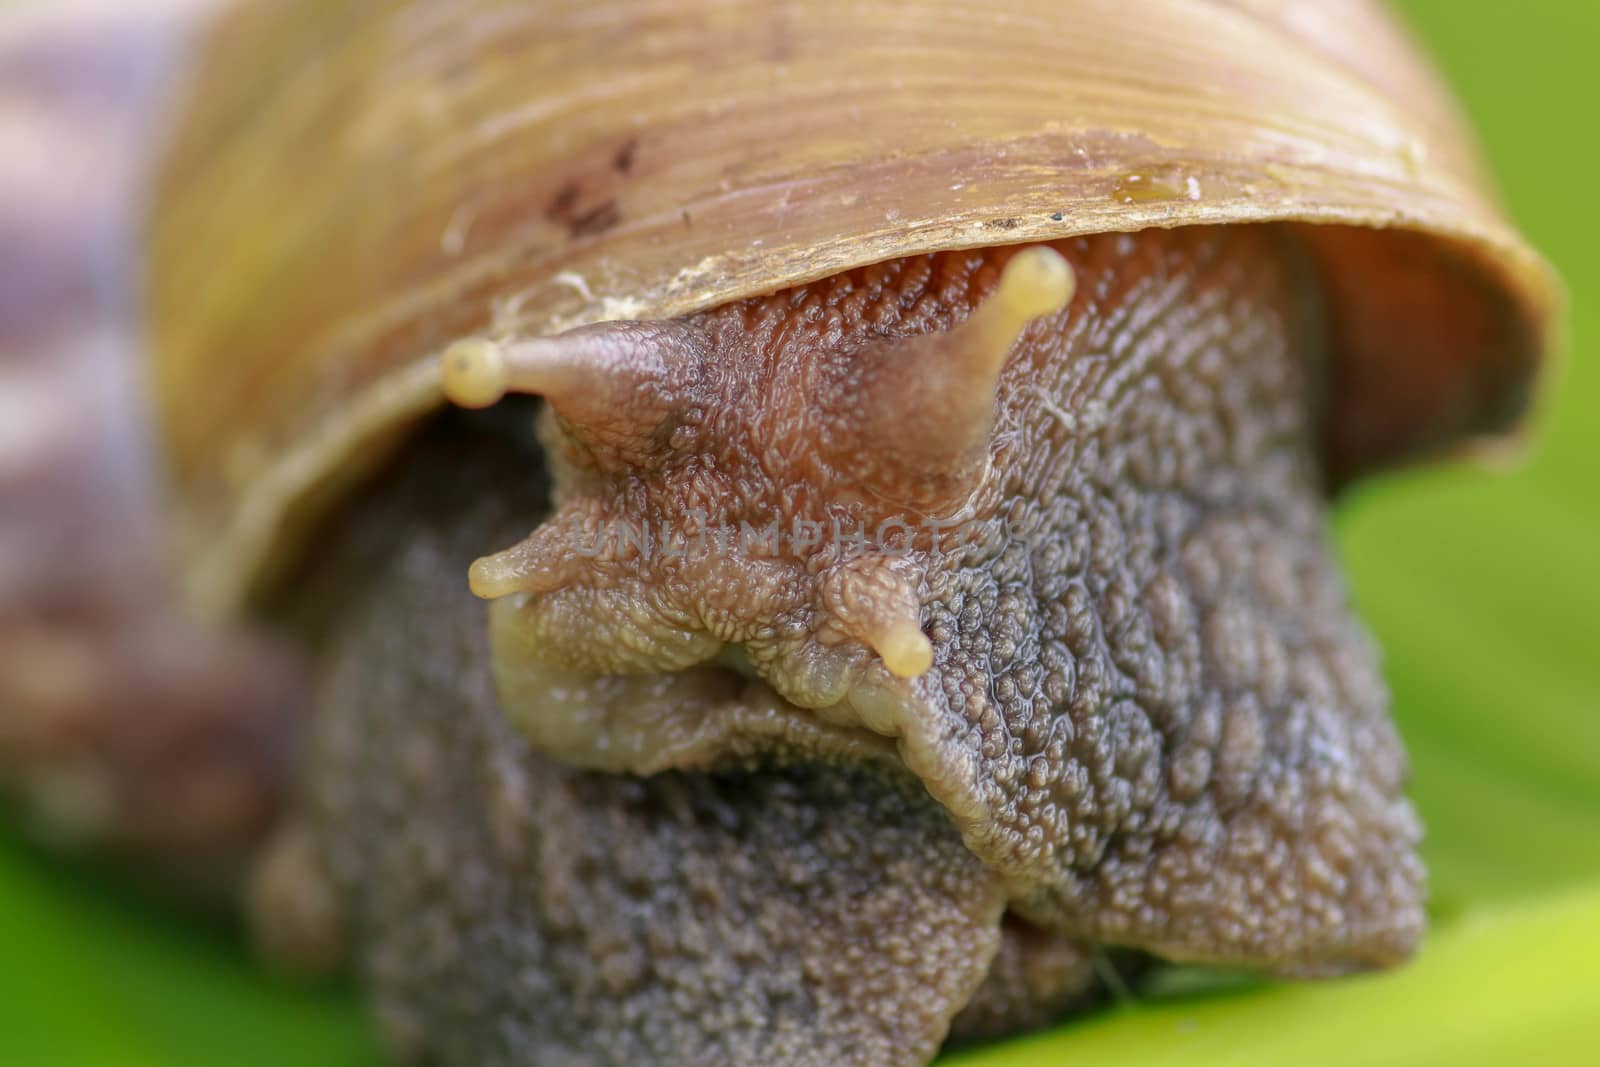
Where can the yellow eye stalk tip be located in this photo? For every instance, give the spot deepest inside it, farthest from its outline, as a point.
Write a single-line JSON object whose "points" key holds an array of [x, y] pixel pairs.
{"points": [[475, 373], [1037, 281]]}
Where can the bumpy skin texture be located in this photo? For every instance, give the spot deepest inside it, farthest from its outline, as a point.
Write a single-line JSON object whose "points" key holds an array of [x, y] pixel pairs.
{"points": [[1150, 716], [1149, 709], [513, 910], [1035, 978]]}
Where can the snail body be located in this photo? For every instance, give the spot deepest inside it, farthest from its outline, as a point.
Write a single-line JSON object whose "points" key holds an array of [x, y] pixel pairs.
{"points": [[1149, 720], [911, 580]]}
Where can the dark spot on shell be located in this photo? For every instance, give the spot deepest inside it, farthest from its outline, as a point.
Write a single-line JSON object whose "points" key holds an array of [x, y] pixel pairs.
{"points": [[622, 162], [581, 221], [1056, 216], [562, 205], [597, 219]]}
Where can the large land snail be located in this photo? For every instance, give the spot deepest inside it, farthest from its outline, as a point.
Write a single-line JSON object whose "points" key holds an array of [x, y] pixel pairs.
{"points": [[910, 598]]}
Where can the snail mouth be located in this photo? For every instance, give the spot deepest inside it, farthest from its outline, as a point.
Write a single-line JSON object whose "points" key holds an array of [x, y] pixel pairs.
{"points": [[701, 718], [713, 713], [722, 712], [720, 715]]}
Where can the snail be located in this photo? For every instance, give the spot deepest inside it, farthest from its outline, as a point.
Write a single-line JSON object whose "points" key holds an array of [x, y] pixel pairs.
{"points": [[894, 447]]}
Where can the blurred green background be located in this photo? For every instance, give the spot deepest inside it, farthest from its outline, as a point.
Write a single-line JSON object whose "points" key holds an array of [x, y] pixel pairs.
{"points": [[1483, 590]]}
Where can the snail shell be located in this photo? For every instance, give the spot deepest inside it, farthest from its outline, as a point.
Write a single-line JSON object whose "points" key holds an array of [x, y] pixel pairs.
{"points": [[358, 184]]}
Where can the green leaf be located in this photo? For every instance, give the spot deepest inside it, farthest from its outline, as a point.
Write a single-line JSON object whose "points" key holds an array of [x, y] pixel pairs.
{"points": [[1484, 591], [95, 974], [1511, 985]]}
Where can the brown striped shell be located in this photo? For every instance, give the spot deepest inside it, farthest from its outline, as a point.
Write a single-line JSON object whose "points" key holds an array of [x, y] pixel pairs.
{"points": [[357, 183]]}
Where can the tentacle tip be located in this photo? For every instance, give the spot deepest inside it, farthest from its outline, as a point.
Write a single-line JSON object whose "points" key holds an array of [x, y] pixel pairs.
{"points": [[487, 579], [475, 373], [1036, 281], [906, 651]]}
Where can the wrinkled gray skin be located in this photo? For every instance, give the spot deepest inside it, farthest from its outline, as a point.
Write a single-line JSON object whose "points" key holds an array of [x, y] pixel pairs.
{"points": [[1175, 731], [517, 911]]}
